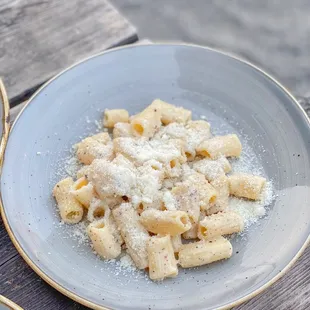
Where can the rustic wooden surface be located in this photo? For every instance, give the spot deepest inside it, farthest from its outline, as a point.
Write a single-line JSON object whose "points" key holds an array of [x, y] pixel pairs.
{"points": [[36, 56], [39, 38], [20, 284]]}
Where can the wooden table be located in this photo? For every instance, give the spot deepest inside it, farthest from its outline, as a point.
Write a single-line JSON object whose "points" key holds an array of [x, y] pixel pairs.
{"points": [[33, 50]]}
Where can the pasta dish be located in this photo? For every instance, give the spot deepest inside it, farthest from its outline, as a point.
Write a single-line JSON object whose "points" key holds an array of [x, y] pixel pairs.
{"points": [[158, 186]]}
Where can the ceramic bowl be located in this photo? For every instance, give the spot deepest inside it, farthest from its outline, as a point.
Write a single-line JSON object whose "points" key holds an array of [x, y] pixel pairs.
{"points": [[234, 96]]}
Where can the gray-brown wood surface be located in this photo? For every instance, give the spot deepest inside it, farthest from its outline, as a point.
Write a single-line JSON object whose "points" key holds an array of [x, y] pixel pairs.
{"points": [[19, 283], [39, 38]]}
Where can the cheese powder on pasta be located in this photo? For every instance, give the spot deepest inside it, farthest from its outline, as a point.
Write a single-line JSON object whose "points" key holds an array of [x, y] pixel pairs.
{"points": [[160, 178]]}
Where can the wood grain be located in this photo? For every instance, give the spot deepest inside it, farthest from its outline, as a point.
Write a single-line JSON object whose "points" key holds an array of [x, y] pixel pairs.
{"points": [[40, 38], [20, 284]]}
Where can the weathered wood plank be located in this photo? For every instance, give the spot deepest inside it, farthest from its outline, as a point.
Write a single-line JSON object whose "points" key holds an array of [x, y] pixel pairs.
{"points": [[40, 38], [19, 283], [7, 251]]}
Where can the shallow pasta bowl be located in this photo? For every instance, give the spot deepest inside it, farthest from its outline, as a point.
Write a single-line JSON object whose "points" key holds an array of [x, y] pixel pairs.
{"points": [[234, 96]]}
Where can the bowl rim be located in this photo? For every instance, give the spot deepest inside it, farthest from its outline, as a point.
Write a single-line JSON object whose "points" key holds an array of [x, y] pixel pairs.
{"points": [[9, 303], [5, 139], [5, 120]]}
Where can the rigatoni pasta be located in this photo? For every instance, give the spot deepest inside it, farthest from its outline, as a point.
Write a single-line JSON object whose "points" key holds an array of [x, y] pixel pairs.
{"points": [[97, 210], [222, 223], [103, 240], [133, 232], [122, 130], [165, 222], [229, 146], [176, 242], [159, 188], [170, 113], [212, 169], [95, 147], [83, 191], [246, 186], [71, 211], [162, 262], [204, 252], [111, 117], [147, 122], [221, 185], [187, 200], [206, 192]]}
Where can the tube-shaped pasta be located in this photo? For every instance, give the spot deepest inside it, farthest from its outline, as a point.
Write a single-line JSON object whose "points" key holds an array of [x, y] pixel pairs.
{"points": [[206, 192], [111, 117], [103, 240], [196, 132], [170, 113], [140, 151], [146, 123], [133, 233], [192, 233], [82, 172], [204, 252], [102, 137], [199, 126], [122, 130], [228, 146], [98, 146], [83, 191], [71, 211], [212, 169], [221, 185], [165, 222], [246, 185], [187, 199], [162, 262], [223, 161], [97, 210], [222, 223], [110, 179], [176, 243]]}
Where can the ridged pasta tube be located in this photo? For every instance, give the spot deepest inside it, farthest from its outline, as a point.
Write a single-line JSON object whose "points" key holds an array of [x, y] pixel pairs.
{"points": [[222, 223], [170, 113], [103, 239], [204, 252], [95, 147], [111, 117], [146, 123], [83, 191], [133, 233], [246, 185], [228, 146], [71, 211], [165, 222], [162, 262]]}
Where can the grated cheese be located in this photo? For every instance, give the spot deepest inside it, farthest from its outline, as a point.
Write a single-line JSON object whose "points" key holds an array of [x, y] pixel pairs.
{"points": [[251, 211], [141, 171]]}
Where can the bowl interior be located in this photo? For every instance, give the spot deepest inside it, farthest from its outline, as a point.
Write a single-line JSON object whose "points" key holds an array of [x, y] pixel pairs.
{"points": [[233, 96]]}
